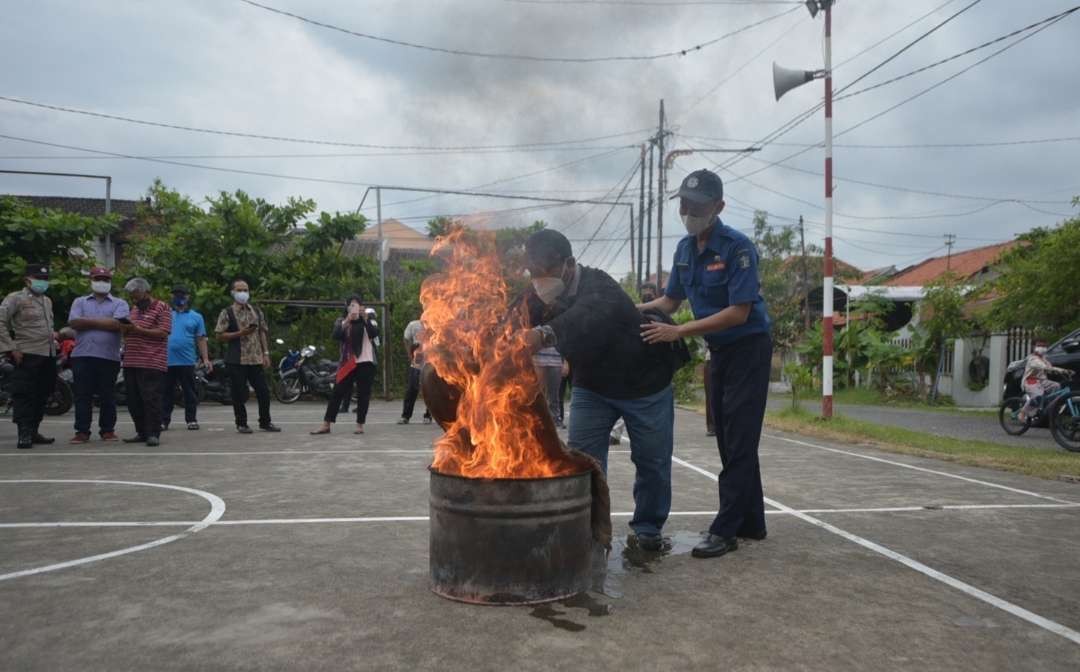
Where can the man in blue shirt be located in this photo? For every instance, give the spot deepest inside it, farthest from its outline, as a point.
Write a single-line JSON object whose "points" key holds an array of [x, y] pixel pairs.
{"points": [[715, 267], [188, 333]]}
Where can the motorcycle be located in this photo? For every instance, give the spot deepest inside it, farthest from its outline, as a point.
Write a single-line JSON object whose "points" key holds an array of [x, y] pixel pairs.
{"points": [[58, 403], [298, 373], [215, 384]]}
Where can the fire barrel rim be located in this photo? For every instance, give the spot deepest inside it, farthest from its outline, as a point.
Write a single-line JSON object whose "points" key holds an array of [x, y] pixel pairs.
{"points": [[510, 541]]}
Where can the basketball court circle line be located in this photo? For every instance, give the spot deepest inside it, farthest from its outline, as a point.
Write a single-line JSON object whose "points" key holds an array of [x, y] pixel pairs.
{"points": [[992, 600], [410, 519], [217, 510]]}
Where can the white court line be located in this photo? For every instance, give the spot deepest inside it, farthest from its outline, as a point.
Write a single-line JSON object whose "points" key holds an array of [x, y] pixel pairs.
{"points": [[174, 453], [217, 510], [993, 600], [616, 514], [916, 468]]}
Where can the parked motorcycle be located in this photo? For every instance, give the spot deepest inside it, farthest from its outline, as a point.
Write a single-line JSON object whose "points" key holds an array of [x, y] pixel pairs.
{"points": [[298, 372], [215, 384], [59, 402]]}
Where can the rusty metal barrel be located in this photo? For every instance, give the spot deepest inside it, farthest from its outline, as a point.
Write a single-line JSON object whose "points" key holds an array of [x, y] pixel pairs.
{"points": [[510, 541]]}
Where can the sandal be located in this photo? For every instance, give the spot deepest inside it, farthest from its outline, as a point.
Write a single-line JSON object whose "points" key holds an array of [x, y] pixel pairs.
{"points": [[359, 430], [321, 430]]}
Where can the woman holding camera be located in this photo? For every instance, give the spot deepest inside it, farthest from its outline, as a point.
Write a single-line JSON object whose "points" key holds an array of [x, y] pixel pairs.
{"points": [[357, 334]]}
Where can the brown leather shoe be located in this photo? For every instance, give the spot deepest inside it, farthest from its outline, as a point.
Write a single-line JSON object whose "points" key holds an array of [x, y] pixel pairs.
{"points": [[109, 436], [80, 437]]}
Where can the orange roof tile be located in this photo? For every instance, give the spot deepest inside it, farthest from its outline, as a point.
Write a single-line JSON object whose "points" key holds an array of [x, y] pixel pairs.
{"points": [[963, 264]]}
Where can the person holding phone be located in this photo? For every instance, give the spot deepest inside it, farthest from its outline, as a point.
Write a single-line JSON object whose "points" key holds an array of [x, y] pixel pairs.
{"points": [[357, 332], [242, 327]]}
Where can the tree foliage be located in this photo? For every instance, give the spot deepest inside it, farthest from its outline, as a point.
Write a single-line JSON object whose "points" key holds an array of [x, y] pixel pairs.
{"points": [[1038, 285], [63, 240]]}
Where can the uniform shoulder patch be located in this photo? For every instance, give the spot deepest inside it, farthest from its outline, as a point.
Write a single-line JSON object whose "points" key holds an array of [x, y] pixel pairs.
{"points": [[742, 259]]}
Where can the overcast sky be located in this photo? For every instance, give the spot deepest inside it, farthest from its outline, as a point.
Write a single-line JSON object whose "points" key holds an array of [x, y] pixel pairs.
{"points": [[225, 65]]}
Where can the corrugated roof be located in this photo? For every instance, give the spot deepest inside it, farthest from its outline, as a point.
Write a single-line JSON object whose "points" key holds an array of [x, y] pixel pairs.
{"points": [[400, 236], [964, 265]]}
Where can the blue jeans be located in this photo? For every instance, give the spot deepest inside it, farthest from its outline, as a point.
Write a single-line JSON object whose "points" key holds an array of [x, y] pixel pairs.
{"points": [[650, 423]]}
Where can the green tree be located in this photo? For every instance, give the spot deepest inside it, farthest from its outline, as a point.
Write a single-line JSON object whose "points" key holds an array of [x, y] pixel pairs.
{"points": [[63, 240], [1038, 285], [779, 279], [439, 226], [942, 319]]}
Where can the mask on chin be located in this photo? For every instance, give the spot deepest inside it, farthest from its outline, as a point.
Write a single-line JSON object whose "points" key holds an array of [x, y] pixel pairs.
{"points": [[695, 224]]}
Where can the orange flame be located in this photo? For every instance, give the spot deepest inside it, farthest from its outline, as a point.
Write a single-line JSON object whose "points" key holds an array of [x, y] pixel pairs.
{"points": [[478, 347]]}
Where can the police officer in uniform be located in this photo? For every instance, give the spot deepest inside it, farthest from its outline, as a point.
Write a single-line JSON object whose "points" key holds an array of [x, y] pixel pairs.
{"points": [[715, 267], [28, 315]]}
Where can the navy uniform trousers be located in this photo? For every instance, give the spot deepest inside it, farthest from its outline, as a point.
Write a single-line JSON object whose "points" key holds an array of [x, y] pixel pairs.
{"points": [[740, 384]]}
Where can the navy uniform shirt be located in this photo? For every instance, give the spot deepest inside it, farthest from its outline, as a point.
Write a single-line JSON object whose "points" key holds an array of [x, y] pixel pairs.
{"points": [[722, 274]]}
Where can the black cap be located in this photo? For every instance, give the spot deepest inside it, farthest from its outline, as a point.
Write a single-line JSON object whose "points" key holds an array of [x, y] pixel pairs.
{"points": [[37, 271], [180, 289], [548, 247], [701, 186]]}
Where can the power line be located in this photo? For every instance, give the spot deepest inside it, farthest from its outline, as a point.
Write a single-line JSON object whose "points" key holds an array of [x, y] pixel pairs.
{"points": [[891, 35], [924, 145], [342, 155], [307, 141], [961, 54], [657, 3], [517, 57], [626, 185]]}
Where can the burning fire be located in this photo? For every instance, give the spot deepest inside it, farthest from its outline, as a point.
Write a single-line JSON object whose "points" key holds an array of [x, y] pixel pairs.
{"points": [[477, 346]]}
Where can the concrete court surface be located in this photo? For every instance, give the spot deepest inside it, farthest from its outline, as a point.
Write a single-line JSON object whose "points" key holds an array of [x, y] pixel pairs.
{"points": [[293, 552]]}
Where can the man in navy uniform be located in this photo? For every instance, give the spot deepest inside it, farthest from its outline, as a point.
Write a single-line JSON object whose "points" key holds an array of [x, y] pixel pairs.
{"points": [[715, 267]]}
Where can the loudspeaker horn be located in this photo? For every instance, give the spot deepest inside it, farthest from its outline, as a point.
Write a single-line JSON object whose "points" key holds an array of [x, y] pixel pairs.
{"points": [[785, 79]]}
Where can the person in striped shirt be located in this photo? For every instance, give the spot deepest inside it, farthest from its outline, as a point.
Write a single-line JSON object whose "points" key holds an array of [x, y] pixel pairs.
{"points": [[145, 360]]}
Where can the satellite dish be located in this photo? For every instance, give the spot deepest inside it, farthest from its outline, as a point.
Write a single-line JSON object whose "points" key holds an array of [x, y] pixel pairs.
{"points": [[785, 79]]}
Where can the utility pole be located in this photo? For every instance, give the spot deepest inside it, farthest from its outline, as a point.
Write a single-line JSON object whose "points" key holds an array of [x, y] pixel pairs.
{"points": [[641, 223], [648, 215], [950, 240], [661, 193], [827, 317], [805, 278], [632, 241]]}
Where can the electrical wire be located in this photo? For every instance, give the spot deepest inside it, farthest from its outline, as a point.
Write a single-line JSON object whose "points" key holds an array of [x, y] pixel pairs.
{"points": [[342, 155], [891, 35], [518, 57], [925, 145], [308, 141]]}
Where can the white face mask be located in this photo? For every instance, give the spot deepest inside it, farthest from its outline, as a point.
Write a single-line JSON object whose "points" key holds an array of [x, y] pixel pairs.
{"points": [[548, 289], [1040, 350], [695, 224], [241, 297], [101, 286]]}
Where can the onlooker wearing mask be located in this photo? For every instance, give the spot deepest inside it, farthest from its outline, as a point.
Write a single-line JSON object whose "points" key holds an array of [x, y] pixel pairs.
{"points": [[357, 333], [95, 361], [146, 337], [26, 334], [188, 334], [243, 327], [413, 330]]}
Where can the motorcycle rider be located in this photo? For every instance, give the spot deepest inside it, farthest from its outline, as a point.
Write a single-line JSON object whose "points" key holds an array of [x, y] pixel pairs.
{"points": [[1036, 382], [95, 361], [26, 335]]}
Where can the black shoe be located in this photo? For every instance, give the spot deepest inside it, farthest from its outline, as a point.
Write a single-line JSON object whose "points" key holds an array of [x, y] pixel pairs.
{"points": [[38, 440], [164, 426], [153, 441], [270, 427], [243, 429], [757, 535], [138, 438], [714, 546], [710, 432], [26, 439], [649, 541], [427, 419]]}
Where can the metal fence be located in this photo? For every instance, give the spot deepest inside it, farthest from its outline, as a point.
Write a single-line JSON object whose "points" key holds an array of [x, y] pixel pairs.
{"points": [[1018, 345]]}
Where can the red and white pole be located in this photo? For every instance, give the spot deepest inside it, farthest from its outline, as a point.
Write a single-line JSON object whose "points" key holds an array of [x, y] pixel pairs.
{"points": [[827, 299]]}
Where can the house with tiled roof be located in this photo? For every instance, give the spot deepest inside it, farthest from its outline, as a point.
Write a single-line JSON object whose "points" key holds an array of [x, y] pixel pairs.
{"points": [[110, 249], [971, 267]]}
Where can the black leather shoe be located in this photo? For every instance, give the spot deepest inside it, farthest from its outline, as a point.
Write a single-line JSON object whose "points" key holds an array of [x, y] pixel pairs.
{"points": [[243, 429], [713, 546], [38, 440], [153, 441], [270, 427], [26, 439], [758, 535], [138, 438]]}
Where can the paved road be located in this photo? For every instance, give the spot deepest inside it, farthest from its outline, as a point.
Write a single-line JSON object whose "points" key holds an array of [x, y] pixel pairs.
{"points": [[958, 424]]}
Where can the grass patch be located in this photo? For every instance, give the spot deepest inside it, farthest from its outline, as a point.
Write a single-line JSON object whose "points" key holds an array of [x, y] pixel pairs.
{"points": [[1039, 462], [868, 397]]}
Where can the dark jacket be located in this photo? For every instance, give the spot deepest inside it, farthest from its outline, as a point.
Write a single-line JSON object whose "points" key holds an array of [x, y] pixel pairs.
{"points": [[599, 333], [352, 339]]}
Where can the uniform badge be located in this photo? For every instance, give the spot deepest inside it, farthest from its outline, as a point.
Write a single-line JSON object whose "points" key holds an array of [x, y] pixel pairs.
{"points": [[692, 182], [717, 265], [742, 259]]}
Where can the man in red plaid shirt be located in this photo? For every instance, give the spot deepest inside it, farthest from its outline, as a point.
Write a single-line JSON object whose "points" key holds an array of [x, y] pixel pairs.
{"points": [[146, 339]]}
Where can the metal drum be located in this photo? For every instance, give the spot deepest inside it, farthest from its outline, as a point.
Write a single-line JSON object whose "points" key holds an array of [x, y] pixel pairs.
{"points": [[510, 541]]}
